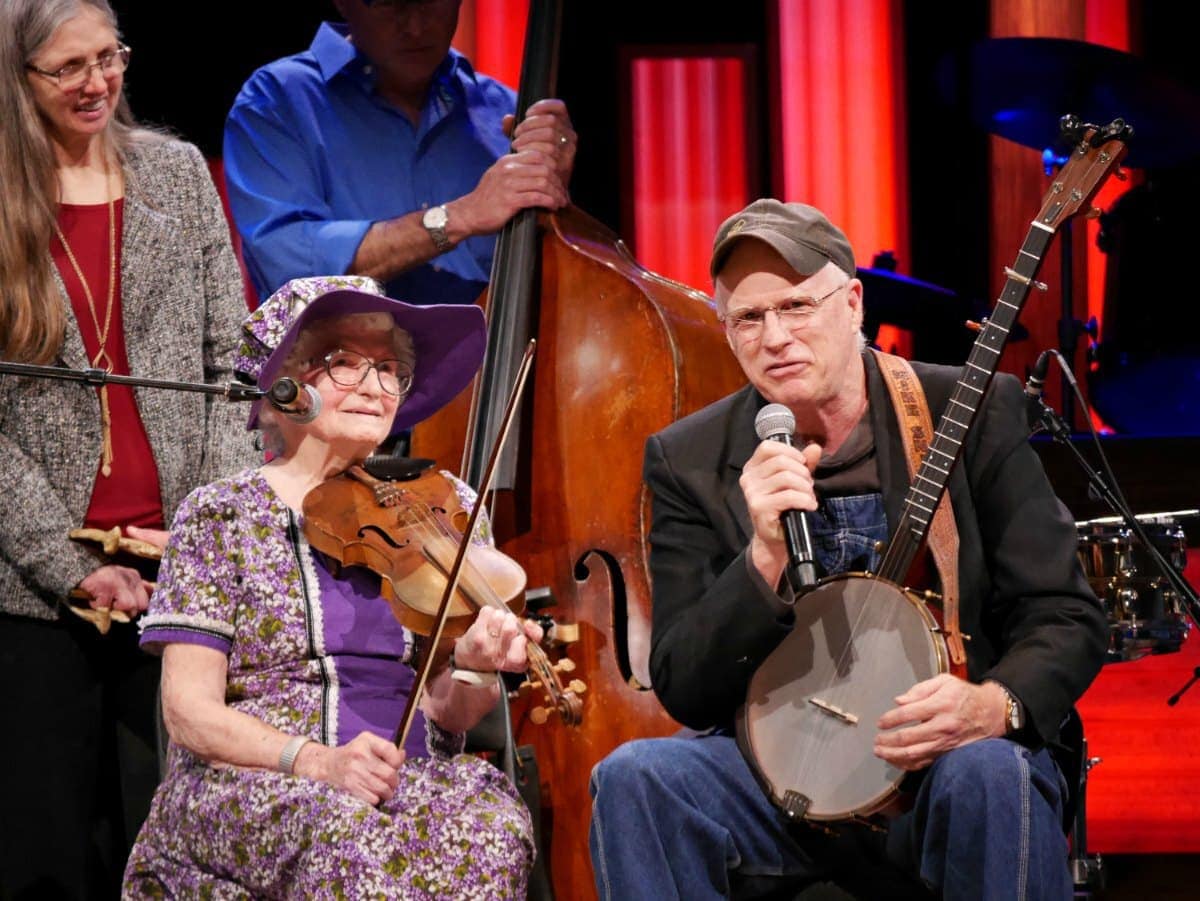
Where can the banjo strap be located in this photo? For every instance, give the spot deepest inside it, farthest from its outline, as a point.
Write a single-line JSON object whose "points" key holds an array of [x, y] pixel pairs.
{"points": [[916, 429]]}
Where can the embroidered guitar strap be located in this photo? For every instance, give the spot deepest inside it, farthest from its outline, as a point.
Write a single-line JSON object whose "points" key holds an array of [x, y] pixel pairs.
{"points": [[916, 428]]}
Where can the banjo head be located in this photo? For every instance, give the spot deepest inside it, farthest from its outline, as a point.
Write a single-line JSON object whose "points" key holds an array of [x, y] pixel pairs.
{"points": [[808, 725]]}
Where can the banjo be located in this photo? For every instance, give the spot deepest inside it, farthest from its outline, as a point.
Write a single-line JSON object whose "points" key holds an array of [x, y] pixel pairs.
{"points": [[807, 726]]}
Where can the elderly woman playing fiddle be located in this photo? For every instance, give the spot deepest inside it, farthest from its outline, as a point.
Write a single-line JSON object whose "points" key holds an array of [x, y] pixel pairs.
{"points": [[284, 675]]}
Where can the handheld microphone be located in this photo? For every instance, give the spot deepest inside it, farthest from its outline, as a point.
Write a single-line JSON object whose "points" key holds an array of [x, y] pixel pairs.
{"points": [[775, 422], [295, 400], [1034, 386]]}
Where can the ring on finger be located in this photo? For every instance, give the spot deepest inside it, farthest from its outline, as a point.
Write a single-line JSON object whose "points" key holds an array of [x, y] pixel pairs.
{"points": [[495, 633], [564, 140]]}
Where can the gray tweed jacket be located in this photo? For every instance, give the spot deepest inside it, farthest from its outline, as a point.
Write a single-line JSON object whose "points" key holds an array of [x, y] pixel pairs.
{"points": [[182, 303]]}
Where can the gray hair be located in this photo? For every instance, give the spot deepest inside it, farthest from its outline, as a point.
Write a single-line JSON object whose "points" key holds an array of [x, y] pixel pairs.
{"points": [[31, 312]]}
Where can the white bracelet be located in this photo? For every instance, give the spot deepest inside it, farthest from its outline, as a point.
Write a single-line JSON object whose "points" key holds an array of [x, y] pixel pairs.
{"points": [[287, 757], [474, 678]]}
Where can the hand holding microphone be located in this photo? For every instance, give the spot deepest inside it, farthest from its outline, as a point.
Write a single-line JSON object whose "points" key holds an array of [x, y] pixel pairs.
{"points": [[777, 484]]}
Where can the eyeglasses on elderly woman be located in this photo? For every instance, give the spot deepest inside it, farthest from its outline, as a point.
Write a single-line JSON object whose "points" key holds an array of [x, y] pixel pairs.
{"points": [[349, 369], [75, 74]]}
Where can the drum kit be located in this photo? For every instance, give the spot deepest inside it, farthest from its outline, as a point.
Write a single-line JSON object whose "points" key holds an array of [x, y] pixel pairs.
{"points": [[1144, 371], [1018, 88], [1145, 612]]}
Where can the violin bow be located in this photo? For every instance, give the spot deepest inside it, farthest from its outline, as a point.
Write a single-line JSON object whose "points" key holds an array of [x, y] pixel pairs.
{"points": [[435, 636]]}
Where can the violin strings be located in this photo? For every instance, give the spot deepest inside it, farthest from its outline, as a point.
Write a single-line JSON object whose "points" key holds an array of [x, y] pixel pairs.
{"points": [[430, 528]]}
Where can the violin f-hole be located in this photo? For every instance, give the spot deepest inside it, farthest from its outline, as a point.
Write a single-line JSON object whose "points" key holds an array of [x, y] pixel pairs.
{"points": [[391, 542]]}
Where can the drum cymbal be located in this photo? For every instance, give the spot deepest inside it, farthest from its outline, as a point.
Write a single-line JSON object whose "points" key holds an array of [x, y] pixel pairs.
{"points": [[914, 305], [1020, 88], [907, 302]]}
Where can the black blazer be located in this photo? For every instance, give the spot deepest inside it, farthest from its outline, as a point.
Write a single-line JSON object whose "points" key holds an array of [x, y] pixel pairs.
{"points": [[1035, 624]]}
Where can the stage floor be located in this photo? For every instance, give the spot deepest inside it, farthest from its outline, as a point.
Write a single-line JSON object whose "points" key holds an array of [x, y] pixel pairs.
{"points": [[1149, 877]]}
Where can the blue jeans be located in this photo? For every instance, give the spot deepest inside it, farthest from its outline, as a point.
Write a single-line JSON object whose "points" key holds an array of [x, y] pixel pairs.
{"points": [[684, 818]]}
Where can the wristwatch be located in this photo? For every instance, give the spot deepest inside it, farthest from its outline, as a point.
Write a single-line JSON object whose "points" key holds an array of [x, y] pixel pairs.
{"points": [[435, 220], [1014, 715]]}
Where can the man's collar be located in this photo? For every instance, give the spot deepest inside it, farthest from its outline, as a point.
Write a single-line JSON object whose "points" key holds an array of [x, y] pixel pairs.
{"points": [[455, 66], [334, 52], [742, 440]]}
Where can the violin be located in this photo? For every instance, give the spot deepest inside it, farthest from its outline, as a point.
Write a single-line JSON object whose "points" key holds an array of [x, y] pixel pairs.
{"points": [[407, 531]]}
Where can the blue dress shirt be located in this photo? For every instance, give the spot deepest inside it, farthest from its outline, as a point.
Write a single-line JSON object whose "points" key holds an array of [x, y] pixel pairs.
{"points": [[314, 157]]}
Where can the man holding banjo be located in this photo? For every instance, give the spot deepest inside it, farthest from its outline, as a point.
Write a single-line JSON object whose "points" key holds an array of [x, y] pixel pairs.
{"points": [[980, 811]]}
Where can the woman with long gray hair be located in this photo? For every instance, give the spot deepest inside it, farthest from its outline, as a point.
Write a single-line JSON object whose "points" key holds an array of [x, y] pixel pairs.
{"points": [[115, 255]]}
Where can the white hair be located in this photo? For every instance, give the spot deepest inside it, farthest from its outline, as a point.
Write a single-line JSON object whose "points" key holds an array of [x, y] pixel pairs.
{"points": [[318, 338]]}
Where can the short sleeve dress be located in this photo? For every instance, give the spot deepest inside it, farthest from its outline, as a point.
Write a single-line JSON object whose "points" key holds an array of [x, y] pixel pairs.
{"points": [[317, 654]]}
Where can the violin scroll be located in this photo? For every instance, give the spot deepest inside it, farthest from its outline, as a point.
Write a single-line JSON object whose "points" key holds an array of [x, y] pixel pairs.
{"points": [[544, 677]]}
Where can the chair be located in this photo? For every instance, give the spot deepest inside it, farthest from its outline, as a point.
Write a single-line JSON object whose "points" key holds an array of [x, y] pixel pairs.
{"points": [[493, 738], [1086, 870]]}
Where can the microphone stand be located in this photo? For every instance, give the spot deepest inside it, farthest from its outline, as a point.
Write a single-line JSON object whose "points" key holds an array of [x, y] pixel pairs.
{"points": [[1086, 870], [1061, 432], [234, 391]]}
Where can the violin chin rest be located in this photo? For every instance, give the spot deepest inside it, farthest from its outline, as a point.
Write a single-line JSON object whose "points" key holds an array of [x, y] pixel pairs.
{"points": [[396, 469]]}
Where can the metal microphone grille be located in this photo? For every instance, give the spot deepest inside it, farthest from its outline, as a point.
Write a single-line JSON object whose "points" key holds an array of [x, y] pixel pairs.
{"points": [[774, 420], [284, 391]]}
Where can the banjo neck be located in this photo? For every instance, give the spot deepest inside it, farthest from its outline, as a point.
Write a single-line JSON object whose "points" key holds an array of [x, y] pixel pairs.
{"points": [[1097, 152]]}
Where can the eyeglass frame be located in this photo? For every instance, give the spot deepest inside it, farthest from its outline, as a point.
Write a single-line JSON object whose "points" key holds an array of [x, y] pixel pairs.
{"points": [[405, 387], [735, 322], [123, 52]]}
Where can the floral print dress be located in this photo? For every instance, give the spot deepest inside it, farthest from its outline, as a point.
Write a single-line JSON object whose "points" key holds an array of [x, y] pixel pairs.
{"points": [[320, 655]]}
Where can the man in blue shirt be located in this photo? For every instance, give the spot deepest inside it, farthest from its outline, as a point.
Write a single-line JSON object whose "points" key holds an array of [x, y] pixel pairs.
{"points": [[380, 151]]}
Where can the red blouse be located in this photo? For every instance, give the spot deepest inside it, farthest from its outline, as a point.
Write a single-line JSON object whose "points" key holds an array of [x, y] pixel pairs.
{"points": [[129, 495]]}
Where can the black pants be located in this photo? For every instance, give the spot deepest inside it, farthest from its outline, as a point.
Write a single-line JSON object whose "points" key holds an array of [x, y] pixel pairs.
{"points": [[78, 755]]}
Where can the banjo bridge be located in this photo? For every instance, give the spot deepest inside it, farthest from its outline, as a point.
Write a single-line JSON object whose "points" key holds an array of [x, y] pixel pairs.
{"points": [[835, 712]]}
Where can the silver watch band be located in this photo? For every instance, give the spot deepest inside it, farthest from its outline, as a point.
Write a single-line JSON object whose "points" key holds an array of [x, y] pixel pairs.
{"points": [[287, 757], [435, 221]]}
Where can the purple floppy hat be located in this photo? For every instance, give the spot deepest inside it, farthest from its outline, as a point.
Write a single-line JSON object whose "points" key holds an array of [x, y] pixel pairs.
{"points": [[448, 339]]}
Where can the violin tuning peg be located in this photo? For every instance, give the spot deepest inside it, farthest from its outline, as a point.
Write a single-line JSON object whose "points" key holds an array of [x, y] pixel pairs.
{"points": [[564, 633], [566, 665], [539, 715], [577, 686], [528, 685]]}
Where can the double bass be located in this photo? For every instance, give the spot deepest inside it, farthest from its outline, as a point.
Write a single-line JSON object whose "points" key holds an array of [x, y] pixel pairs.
{"points": [[622, 353]]}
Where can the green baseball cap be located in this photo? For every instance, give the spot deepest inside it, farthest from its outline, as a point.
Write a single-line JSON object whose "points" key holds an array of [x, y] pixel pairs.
{"points": [[799, 233]]}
